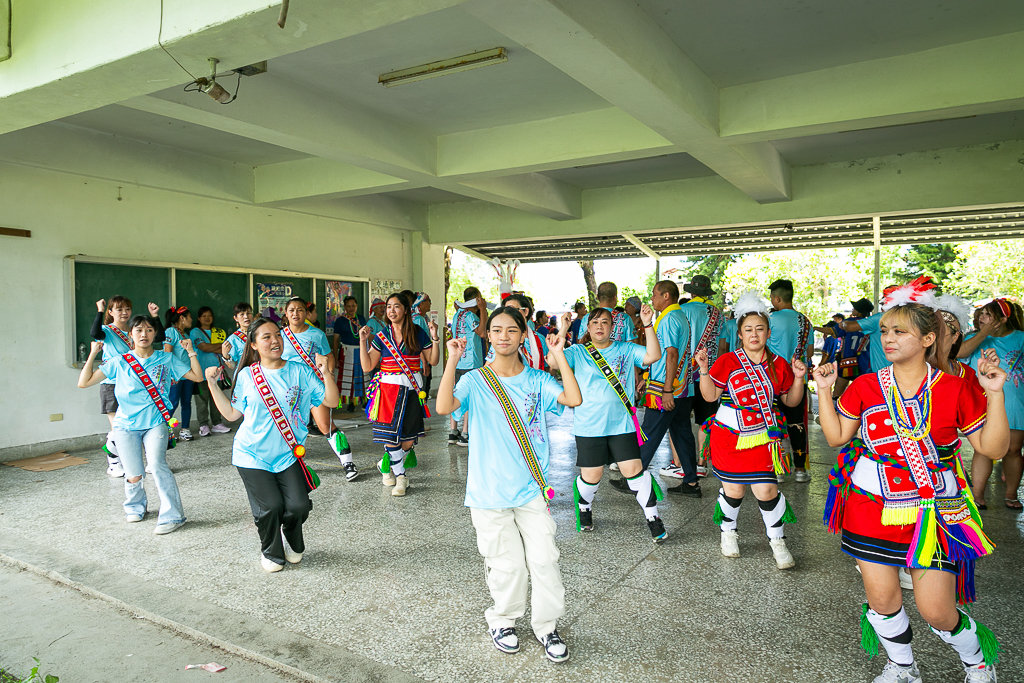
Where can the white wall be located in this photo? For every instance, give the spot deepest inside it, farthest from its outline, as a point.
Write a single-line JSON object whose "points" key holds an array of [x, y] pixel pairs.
{"points": [[72, 214]]}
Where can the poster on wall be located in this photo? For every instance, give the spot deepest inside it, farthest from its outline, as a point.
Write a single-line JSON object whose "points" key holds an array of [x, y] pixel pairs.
{"points": [[273, 296], [335, 304], [382, 288]]}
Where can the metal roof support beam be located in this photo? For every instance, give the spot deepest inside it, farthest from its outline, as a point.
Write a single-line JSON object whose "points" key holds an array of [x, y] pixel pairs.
{"points": [[635, 241], [876, 227]]}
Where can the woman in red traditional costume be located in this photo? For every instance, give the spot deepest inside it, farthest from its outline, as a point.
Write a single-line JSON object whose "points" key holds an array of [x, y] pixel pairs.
{"points": [[898, 495], [744, 437]]}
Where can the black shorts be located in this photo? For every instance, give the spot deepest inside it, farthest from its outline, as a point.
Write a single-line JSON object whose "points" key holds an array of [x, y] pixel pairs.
{"points": [[598, 451], [702, 409], [108, 402]]}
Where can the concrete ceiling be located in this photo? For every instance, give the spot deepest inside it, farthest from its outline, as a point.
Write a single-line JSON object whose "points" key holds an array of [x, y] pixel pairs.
{"points": [[634, 172], [742, 41]]}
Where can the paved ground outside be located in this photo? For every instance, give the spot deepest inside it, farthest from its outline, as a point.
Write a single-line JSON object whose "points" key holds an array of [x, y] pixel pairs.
{"points": [[392, 589]]}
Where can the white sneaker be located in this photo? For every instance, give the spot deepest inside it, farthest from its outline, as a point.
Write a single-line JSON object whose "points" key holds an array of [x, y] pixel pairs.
{"points": [[387, 479], [220, 429], [290, 555], [114, 469], [133, 518], [185, 435], [906, 583], [162, 529], [555, 648], [671, 471], [350, 470], [204, 431], [702, 470], [614, 467], [894, 673], [401, 485], [269, 565], [730, 543], [110, 447], [783, 558], [802, 476], [980, 674], [505, 639]]}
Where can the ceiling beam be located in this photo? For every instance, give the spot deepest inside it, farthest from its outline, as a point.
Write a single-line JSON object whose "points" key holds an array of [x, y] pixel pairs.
{"points": [[535, 193], [966, 79], [614, 48], [66, 62], [318, 178], [636, 242]]}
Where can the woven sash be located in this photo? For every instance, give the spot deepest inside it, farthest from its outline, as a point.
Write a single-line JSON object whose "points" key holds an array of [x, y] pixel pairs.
{"points": [[122, 336], [399, 360], [515, 423], [154, 395], [802, 337], [281, 421], [241, 336], [613, 380], [302, 353], [764, 392], [708, 340]]}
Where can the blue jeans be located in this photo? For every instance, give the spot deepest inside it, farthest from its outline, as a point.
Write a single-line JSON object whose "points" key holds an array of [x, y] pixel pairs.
{"points": [[181, 392], [129, 445]]}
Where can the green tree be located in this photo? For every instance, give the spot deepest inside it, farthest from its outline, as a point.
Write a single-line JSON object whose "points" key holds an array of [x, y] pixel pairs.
{"points": [[467, 270], [988, 269], [643, 294], [933, 260]]}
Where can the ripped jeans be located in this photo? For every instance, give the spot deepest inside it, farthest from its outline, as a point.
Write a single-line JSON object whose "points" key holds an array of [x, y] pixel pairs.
{"points": [[129, 446]]}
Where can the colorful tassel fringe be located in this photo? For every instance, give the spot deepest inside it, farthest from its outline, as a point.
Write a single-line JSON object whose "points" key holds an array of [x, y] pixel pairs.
{"points": [[868, 637], [719, 516], [990, 647], [789, 517], [658, 493], [410, 459], [576, 504]]}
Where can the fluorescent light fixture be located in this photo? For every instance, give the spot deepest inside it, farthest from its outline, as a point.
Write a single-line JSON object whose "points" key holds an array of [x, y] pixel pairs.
{"points": [[445, 66]]}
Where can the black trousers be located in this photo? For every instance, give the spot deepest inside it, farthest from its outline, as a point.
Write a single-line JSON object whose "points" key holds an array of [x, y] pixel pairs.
{"points": [[677, 424], [797, 432], [278, 502]]}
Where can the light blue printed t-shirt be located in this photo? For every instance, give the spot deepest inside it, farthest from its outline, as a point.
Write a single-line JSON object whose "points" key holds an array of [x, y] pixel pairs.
{"points": [[622, 326], [173, 337], [312, 340], [602, 413], [258, 442], [112, 346], [870, 327], [420, 321], [729, 333], [498, 475], [785, 335], [135, 409], [464, 327], [375, 325], [1011, 359], [673, 332], [237, 347], [206, 360]]}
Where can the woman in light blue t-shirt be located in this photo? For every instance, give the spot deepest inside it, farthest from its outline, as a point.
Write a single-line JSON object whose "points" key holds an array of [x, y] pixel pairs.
{"points": [[506, 485], [267, 462], [1000, 329], [139, 422], [178, 321]]}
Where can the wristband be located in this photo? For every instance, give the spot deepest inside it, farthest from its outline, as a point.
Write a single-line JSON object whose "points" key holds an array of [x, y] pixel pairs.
{"points": [[646, 326], [193, 355], [704, 374]]}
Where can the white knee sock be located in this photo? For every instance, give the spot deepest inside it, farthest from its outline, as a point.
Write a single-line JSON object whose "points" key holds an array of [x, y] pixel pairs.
{"points": [[775, 514], [727, 511], [643, 485], [397, 457], [895, 634], [973, 642], [339, 444], [586, 492], [111, 448]]}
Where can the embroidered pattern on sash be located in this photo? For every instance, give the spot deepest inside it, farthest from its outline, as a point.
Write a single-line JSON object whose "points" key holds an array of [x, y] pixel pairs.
{"points": [[518, 430], [281, 421], [241, 336], [613, 380], [302, 353], [154, 395], [121, 335], [764, 393], [708, 340], [400, 361]]}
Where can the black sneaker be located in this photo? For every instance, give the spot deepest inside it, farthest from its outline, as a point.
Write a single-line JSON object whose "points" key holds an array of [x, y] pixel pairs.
{"points": [[350, 470], [657, 528], [686, 490], [505, 639], [555, 648], [620, 485], [586, 520], [463, 441], [453, 437]]}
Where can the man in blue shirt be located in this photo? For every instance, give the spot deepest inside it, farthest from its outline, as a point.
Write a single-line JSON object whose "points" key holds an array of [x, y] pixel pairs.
{"points": [[470, 323], [667, 401], [622, 324], [869, 327], [792, 336]]}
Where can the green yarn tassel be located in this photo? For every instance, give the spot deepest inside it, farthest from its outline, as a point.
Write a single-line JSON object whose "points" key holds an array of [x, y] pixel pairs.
{"points": [[989, 645], [719, 515], [385, 463], [868, 637], [576, 504], [410, 459], [789, 517], [658, 493]]}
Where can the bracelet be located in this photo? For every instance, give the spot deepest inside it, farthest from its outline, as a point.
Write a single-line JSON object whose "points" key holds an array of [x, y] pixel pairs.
{"points": [[193, 355], [435, 339], [646, 326], [704, 374]]}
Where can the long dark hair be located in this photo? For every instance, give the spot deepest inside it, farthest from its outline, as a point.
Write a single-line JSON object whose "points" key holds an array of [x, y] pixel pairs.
{"points": [[407, 326], [769, 356], [250, 355], [600, 310]]}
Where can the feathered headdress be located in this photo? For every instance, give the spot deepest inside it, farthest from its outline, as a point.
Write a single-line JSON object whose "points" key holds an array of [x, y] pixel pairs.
{"points": [[749, 302], [959, 307], [917, 291]]}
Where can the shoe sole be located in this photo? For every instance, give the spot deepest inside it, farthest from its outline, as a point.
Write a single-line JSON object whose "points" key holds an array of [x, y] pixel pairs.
{"points": [[733, 555], [464, 445], [587, 528], [783, 567], [505, 650], [159, 532], [351, 478], [556, 660], [660, 539], [674, 475]]}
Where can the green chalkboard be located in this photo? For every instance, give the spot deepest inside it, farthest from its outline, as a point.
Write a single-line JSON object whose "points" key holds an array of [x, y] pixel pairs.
{"points": [[300, 286], [219, 291], [95, 281]]}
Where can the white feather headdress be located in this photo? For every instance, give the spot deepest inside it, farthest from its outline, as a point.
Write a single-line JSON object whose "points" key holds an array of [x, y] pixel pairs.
{"points": [[959, 307], [749, 302], [917, 291]]}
